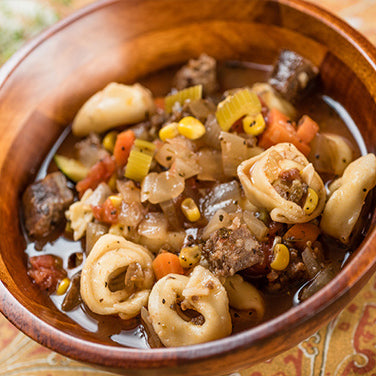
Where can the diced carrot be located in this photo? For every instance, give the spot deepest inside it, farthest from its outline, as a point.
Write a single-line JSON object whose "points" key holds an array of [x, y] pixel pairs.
{"points": [[160, 102], [123, 145], [301, 233], [106, 213], [166, 263], [100, 172], [280, 129], [307, 129]]}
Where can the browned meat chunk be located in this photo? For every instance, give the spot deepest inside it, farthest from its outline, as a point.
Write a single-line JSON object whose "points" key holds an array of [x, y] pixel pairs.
{"points": [[292, 75], [90, 150], [73, 297], [228, 251], [200, 71], [44, 204], [46, 271], [290, 186]]}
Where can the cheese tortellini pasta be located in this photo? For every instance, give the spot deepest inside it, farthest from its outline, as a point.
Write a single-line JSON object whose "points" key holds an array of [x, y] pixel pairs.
{"points": [[116, 104], [201, 292], [258, 174], [349, 192], [117, 277]]}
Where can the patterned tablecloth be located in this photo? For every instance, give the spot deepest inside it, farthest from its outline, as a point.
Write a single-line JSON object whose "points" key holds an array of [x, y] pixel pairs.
{"points": [[345, 347]]}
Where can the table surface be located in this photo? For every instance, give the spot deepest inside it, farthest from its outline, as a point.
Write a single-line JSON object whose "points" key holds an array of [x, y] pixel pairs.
{"points": [[345, 347]]}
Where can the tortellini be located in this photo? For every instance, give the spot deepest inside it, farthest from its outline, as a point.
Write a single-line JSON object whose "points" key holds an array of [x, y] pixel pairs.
{"points": [[258, 174], [244, 296], [110, 257], [201, 292], [116, 104], [349, 192]]}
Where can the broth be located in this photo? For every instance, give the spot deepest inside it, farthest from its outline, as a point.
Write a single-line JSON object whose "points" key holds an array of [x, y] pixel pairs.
{"points": [[329, 114]]}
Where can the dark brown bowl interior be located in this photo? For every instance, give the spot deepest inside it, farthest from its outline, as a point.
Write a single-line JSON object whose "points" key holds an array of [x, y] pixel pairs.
{"points": [[44, 84]]}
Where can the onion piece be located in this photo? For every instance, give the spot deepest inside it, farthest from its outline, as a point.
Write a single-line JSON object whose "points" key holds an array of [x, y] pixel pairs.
{"points": [[161, 187], [330, 153], [213, 130], [255, 225], [153, 338], [310, 262], [93, 232], [219, 220], [211, 165], [235, 150], [128, 191], [224, 196], [169, 209], [322, 279]]}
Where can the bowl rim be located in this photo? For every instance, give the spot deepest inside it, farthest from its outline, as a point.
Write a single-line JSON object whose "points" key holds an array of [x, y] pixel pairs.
{"points": [[71, 346]]}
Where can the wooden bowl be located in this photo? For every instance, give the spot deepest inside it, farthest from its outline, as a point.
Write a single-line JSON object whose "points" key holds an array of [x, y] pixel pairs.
{"points": [[45, 83]]}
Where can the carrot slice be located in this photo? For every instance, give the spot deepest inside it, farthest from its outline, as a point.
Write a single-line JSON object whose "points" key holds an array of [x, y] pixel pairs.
{"points": [[301, 233], [123, 145], [280, 129], [307, 129], [166, 263]]}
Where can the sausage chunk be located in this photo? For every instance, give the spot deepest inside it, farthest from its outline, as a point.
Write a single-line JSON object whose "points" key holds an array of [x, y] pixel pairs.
{"points": [[292, 75], [44, 204], [202, 71], [228, 251]]}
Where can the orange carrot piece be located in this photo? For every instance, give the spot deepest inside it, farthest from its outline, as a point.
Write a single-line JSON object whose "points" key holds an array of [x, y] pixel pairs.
{"points": [[301, 233], [166, 263], [159, 102], [278, 130], [307, 129], [123, 145]]}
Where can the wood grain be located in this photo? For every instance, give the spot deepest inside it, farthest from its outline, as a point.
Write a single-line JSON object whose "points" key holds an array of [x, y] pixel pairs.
{"points": [[43, 85]]}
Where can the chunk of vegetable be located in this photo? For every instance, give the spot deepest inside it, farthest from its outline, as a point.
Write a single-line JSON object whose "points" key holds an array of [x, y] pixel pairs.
{"points": [[190, 210], [281, 258], [167, 263], [168, 131], [311, 201], [191, 128], [307, 129], [109, 141], [191, 93], [243, 102], [123, 146], [71, 168], [159, 187], [301, 233], [254, 124], [100, 172], [138, 165], [63, 286], [280, 130], [190, 256], [106, 213]]}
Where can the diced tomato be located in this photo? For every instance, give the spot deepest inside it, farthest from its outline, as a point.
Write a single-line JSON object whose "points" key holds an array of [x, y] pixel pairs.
{"points": [[100, 172], [106, 213], [237, 127], [160, 102]]}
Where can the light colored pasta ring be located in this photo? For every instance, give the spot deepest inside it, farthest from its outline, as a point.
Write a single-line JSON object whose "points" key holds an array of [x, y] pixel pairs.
{"points": [[110, 254], [201, 292], [258, 173], [349, 192]]}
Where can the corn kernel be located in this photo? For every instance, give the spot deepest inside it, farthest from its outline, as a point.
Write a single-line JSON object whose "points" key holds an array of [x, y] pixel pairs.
{"points": [[118, 229], [109, 141], [190, 256], [281, 257], [115, 200], [311, 201], [168, 131], [112, 182], [190, 210], [63, 286], [254, 124], [191, 128]]}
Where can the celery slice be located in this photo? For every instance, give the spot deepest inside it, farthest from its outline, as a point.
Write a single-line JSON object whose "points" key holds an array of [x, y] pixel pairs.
{"points": [[243, 102], [138, 165], [145, 146], [192, 93], [71, 168]]}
